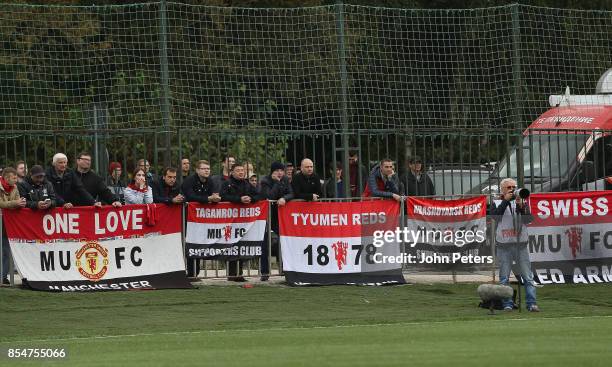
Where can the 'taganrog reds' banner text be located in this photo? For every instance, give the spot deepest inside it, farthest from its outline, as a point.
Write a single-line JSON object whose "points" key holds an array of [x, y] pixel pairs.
{"points": [[451, 232], [332, 243], [90, 249], [570, 238], [226, 231]]}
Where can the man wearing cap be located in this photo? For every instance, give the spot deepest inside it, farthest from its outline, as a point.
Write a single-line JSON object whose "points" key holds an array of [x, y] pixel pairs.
{"points": [[416, 182], [275, 186], [37, 191], [68, 187], [289, 171], [93, 183], [114, 182]]}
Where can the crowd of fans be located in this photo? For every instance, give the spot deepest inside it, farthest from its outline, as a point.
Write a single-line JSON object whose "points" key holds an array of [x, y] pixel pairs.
{"points": [[61, 186]]}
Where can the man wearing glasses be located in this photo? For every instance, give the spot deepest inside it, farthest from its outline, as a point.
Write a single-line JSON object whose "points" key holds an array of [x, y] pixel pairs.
{"points": [[512, 215]]}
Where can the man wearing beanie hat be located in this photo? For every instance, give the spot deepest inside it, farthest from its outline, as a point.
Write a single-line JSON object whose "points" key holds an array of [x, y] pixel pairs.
{"points": [[37, 190], [275, 186]]}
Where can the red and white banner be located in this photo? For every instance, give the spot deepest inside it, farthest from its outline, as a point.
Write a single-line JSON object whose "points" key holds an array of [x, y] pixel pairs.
{"points": [[570, 238], [448, 233], [89, 249], [332, 243], [226, 231]]}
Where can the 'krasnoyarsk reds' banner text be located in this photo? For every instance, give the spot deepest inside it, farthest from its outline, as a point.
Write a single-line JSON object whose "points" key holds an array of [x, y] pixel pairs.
{"points": [[97, 249], [447, 233], [570, 238], [226, 231], [332, 243]]}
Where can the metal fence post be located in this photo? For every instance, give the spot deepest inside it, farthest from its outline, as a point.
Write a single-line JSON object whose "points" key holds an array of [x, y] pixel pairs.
{"points": [[269, 242], [165, 88]]}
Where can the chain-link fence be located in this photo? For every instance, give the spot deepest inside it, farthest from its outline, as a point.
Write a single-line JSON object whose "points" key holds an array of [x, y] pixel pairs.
{"points": [[166, 66]]}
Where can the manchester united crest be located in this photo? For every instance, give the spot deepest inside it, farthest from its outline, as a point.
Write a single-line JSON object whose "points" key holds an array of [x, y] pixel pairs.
{"points": [[92, 261]]}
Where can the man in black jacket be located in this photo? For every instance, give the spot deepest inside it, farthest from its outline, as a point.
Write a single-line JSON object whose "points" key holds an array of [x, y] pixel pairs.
{"points": [[415, 181], [166, 190], [37, 191], [306, 184], [93, 183], [238, 190], [68, 187], [275, 186], [199, 188]]}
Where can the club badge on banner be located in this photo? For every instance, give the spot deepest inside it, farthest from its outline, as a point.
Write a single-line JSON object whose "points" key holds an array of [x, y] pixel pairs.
{"points": [[226, 231], [91, 249], [326, 243], [570, 238], [447, 233]]}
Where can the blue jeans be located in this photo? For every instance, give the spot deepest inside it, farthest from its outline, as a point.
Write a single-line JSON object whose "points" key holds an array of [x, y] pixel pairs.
{"points": [[506, 253]]}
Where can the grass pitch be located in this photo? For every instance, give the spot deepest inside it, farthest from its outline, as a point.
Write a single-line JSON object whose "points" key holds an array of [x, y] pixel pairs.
{"points": [[421, 325]]}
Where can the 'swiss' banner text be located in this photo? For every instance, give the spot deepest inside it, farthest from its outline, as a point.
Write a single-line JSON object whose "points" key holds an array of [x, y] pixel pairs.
{"points": [[570, 238]]}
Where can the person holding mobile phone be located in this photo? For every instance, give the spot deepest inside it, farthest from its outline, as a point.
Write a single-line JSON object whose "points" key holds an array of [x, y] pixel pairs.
{"points": [[37, 190]]}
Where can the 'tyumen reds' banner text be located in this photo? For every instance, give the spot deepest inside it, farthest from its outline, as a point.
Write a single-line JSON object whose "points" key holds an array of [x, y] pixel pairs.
{"points": [[90, 249], [332, 243]]}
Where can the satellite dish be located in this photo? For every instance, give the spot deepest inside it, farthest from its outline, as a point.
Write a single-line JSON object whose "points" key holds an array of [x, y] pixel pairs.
{"points": [[604, 85]]}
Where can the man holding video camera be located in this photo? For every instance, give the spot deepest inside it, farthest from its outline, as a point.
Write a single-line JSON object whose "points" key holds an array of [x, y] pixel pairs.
{"points": [[512, 215]]}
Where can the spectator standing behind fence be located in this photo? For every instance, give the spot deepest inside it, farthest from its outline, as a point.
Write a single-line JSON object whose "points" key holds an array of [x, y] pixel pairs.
{"points": [[306, 184], [275, 186], [166, 190], [512, 215], [68, 187], [22, 171], [138, 191], [114, 182], [226, 166], [185, 169], [416, 182], [289, 171], [146, 166], [334, 186], [238, 190], [9, 199], [93, 183], [199, 188], [37, 191], [355, 170], [383, 182]]}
